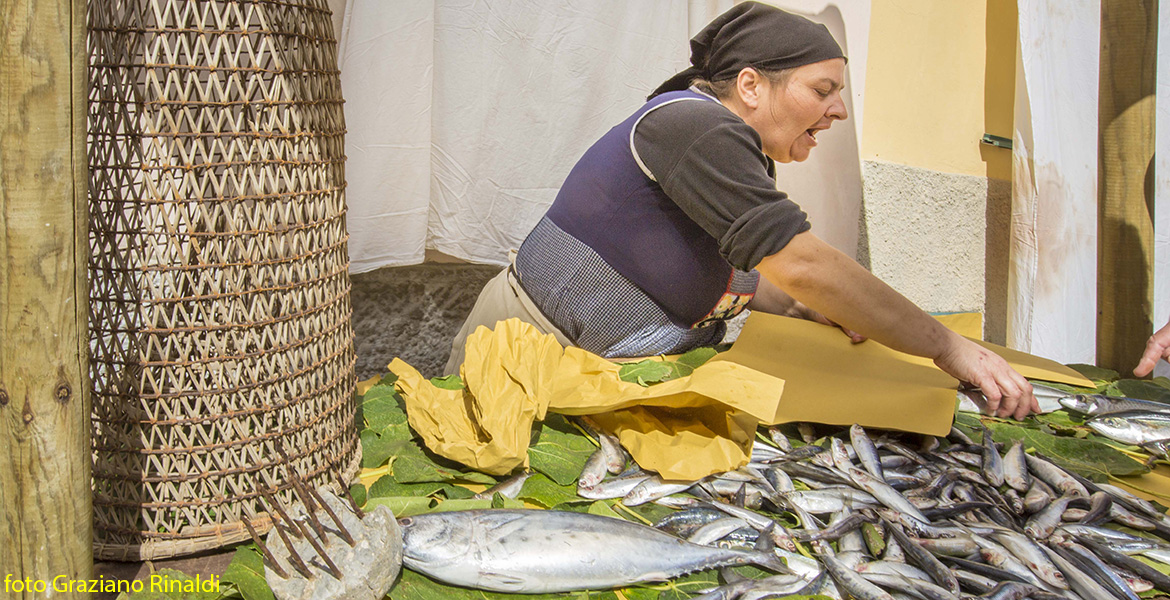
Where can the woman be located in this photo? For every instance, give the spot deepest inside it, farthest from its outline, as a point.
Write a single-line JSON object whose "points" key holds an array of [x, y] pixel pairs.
{"points": [[671, 223]]}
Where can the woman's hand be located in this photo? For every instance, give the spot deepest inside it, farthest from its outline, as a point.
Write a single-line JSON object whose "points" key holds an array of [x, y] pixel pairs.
{"points": [[1157, 347], [1007, 392]]}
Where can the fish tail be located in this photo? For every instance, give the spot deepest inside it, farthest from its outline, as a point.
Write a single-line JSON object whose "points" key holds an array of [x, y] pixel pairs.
{"points": [[771, 562]]}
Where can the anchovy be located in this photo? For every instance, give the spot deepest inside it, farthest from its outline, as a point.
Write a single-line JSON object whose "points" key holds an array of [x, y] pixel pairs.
{"points": [[1097, 404], [1133, 427], [1094, 566], [1139, 504], [998, 556], [776, 584], [685, 522], [1100, 505], [1011, 590], [809, 472], [867, 452], [839, 454], [1120, 515], [1055, 476], [763, 453], [925, 560], [797, 454], [615, 455], [1109, 555], [884, 493], [837, 528], [653, 489], [594, 471], [1028, 552], [1080, 582], [779, 438], [616, 487], [1044, 522], [992, 461], [892, 568], [988, 570], [1036, 498], [509, 488], [830, 500], [954, 546], [779, 480], [929, 590], [546, 551], [755, 519], [1015, 468], [716, 530], [852, 582]]}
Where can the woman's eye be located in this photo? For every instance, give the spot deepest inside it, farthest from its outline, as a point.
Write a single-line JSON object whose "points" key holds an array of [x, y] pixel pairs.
{"points": [[823, 93]]}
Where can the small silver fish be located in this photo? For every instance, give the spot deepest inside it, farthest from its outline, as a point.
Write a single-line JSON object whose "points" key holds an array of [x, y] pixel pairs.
{"points": [[1015, 468], [509, 487], [1133, 427], [653, 489], [1097, 404], [867, 452]]}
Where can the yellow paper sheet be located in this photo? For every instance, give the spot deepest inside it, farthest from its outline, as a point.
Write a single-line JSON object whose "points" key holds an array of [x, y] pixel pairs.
{"points": [[830, 380], [685, 429], [1154, 485]]}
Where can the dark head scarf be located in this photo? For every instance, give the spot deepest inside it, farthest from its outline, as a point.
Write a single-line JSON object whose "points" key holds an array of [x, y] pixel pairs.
{"points": [[753, 35]]}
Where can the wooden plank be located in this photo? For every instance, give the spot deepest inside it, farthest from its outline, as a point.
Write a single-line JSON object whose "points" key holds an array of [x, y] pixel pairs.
{"points": [[1129, 34], [45, 498]]}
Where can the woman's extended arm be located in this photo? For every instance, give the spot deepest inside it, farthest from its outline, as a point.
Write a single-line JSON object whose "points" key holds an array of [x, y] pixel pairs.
{"points": [[773, 300], [823, 278]]}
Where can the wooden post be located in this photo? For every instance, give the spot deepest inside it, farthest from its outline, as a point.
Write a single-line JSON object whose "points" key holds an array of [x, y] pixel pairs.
{"points": [[46, 521], [1129, 39]]}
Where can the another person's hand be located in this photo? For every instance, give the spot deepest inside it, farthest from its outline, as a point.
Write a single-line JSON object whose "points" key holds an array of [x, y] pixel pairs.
{"points": [[803, 312], [1007, 392], [1157, 347]]}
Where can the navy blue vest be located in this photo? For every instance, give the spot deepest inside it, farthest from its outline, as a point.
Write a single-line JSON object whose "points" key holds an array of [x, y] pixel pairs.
{"points": [[608, 203]]}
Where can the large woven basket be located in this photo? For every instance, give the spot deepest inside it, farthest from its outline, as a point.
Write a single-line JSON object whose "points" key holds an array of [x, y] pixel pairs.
{"points": [[220, 315]]}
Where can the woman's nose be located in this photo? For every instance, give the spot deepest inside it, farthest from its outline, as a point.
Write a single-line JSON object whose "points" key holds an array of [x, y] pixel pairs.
{"points": [[837, 110]]}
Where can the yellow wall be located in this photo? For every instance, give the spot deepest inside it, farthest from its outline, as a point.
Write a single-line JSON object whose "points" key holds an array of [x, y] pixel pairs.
{"points": [[940, 74]]}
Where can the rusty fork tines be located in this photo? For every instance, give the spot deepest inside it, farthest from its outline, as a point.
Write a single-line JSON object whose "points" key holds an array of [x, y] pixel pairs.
{"points": [[293, 557], [341, 530], [298, 526], [357, 510], [263, 548], [302, 492]]}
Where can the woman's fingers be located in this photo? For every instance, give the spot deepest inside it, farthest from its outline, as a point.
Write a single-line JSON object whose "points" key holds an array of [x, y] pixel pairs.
{"points": [[1157, 347], [1007, 392]]}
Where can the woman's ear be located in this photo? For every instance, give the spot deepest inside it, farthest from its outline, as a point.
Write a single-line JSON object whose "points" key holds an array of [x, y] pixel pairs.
{"points": [[747, 86]]}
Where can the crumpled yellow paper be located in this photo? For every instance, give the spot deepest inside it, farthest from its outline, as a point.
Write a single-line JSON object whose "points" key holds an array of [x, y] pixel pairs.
{"points": [[684, 429]]}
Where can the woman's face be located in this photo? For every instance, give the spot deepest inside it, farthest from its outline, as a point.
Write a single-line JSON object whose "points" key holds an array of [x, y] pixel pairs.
{"points": [[793, 112]]}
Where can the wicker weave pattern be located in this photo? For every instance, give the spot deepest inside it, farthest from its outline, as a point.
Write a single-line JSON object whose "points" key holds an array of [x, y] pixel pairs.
{"points": [[220, 316]]}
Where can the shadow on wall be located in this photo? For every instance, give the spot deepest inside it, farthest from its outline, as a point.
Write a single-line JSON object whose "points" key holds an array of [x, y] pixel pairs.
{"points": [[827, 186], [412, 313], [998, 106]]}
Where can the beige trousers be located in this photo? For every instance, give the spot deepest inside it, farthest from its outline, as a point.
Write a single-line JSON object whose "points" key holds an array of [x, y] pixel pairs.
{"points": [[501, 299]]}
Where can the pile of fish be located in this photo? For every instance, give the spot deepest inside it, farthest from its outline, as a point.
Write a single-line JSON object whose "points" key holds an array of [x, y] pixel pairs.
{"points": [[906, 517]]}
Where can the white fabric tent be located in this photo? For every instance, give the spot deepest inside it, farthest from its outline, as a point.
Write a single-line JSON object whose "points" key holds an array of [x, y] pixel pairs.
{"points": [[1162, 182], [464, 117], [1052, 305]]}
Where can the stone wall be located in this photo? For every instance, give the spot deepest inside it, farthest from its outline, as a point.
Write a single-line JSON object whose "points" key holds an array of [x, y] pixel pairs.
{"points": [[412, 313], [940, 239]]}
